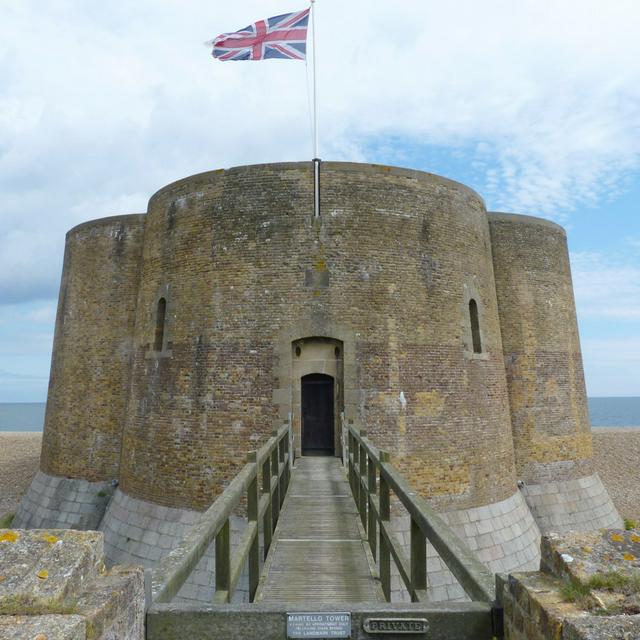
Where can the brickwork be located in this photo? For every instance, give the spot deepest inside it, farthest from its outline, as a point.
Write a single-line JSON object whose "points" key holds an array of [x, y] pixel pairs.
{"points": [[52, 502], [89, 379], [240, 260], [541, 349], [582, 504]]}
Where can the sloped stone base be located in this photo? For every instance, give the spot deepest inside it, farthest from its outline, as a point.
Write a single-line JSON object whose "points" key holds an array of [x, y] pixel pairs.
{"points": [[52, 502], [503, 535], [572, 505], [141, 532]]}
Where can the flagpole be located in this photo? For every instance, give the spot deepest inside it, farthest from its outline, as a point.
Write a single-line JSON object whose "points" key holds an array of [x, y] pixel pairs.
{"points": [[315, 88], [316, 160]]}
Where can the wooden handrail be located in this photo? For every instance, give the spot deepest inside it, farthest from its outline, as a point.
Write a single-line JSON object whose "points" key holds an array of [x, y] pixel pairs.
{"points": [[264, 480], [366, 465]]}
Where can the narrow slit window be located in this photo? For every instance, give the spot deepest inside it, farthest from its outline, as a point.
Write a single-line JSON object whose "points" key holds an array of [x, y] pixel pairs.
{"points": [[160, 318], [475, 326]]}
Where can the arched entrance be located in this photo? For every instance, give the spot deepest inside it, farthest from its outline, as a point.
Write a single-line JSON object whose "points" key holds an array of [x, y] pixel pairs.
{"points": [[317, 408], [317, 395]]}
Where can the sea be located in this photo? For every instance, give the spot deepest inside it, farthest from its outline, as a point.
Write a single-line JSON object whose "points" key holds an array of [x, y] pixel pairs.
{"points": [[604, 412]]}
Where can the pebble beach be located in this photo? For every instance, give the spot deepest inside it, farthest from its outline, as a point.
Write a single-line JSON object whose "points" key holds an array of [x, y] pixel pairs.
{"points": [[616, 455], [19, 459]]}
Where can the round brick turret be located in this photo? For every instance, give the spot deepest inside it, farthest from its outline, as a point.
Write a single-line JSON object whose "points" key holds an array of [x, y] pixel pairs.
{"points": [[543, 362], [90, 367]]}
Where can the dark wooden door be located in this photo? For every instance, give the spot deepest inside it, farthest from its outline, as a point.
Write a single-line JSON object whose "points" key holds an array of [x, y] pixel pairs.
{"points": [[317, 414]]}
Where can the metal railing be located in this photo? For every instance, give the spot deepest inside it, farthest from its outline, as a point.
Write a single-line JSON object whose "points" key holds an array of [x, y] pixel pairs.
{"points": [[372, 479], [263, 480]]}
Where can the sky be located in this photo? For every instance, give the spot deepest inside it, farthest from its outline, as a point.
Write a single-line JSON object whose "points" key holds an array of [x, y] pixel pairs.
{"points": [[535, 104]]}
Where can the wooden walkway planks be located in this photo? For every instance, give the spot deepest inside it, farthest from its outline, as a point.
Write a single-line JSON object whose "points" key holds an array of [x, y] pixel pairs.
{"points": [[318, 555]]}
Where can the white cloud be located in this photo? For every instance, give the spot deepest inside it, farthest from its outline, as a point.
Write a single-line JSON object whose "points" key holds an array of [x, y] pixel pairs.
{"points": [[42, 314], [102, 105], [607, 290], [606, 287]]}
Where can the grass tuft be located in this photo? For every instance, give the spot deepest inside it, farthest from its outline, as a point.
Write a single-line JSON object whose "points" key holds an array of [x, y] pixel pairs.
{"points": [[6, 520], [629, 524], [576, 592], [580, 593]]}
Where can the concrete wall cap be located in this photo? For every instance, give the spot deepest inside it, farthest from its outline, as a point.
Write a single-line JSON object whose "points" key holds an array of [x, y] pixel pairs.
{"points": [[355, 167], [129, 218], [498, 216]]}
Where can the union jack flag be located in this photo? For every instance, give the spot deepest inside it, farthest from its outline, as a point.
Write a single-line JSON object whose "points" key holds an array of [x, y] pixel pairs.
{"points": [[282, 36]]}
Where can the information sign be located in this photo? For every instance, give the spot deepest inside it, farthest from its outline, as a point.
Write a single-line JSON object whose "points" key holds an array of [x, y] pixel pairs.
{"points": [[319, 625]]}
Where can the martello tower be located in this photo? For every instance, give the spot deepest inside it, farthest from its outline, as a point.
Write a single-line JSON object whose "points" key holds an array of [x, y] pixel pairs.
{"points": [[186, 333]]}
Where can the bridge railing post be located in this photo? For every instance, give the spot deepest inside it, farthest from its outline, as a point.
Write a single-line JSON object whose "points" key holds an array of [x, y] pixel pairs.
{"points": [[350, 463], [253, 502], [291, 448], [267, 518], [282, 489], [275, 488], [372, 529], [385, 520], [223, 564], [362, 478], [356, 465], [418, 563]]}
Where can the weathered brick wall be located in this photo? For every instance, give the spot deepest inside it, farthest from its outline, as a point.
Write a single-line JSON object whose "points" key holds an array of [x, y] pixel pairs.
{"points": [[541, 347], [243, 266], [90, 366]]}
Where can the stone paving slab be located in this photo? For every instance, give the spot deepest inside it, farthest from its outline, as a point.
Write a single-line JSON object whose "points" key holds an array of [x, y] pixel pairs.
{"points": [[113, 606], [581, 555], [600, 628], [40, 570], [47, 627], [52, 582], [564, 602]]}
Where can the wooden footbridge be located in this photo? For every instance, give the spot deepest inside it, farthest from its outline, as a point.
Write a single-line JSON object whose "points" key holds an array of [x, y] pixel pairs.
{"points": [[318, 553], [317, 548]]}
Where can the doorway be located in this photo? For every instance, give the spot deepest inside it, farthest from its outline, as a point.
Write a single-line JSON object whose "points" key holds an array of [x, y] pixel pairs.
{"points": [[317, 415]]}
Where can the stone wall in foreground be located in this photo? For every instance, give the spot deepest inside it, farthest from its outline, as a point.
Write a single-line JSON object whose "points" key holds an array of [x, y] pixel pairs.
{"points": [[54, 585], [603, 602]]}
